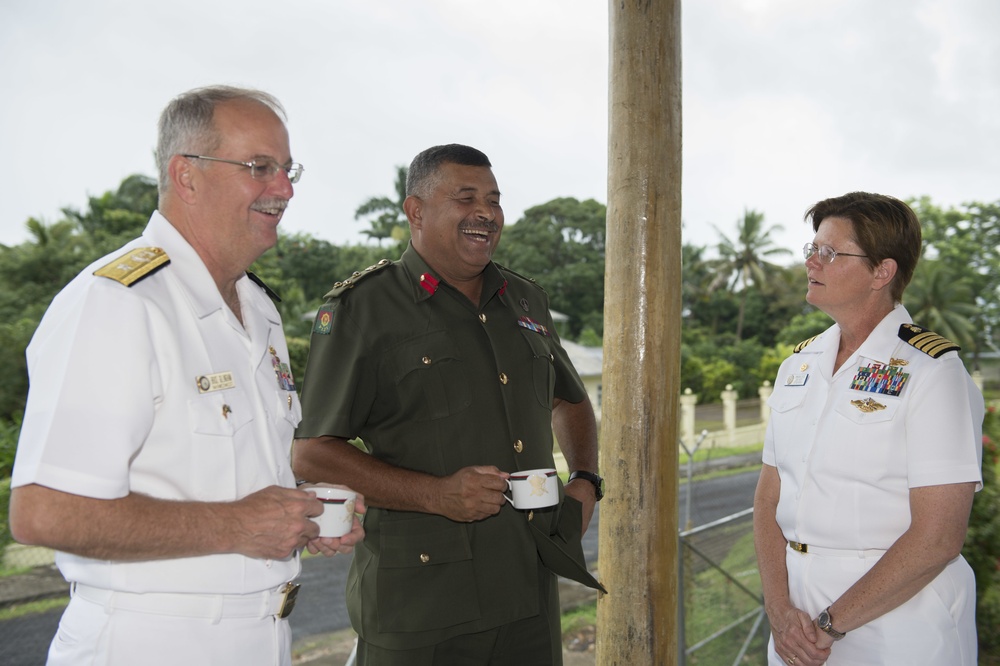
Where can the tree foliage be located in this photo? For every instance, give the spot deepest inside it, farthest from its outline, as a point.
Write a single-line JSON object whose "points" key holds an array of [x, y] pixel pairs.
{"points": [[965, 240], [386, 217], [743, 261], [561, 245]]}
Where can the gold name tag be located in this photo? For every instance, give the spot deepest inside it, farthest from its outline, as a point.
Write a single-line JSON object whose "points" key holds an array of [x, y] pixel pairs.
{"points": [[216, 382]]}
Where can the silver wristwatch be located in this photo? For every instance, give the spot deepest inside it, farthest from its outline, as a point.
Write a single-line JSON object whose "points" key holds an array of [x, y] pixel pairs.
{"points": [[825, 622]]}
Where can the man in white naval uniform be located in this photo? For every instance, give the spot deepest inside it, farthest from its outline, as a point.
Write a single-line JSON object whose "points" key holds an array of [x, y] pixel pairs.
{"points": [[155, 451]]}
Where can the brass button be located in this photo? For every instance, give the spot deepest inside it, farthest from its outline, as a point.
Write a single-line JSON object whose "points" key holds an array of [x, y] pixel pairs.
{"points": [[425, 558], [482, 317], [503, 378], [518, 446], [426, 360]]}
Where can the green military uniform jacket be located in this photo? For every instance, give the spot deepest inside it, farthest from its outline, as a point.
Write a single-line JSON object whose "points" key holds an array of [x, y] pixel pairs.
{"points": [[433, 383]]}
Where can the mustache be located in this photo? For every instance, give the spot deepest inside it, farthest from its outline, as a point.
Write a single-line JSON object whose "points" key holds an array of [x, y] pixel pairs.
{"points": [[488, 225]]}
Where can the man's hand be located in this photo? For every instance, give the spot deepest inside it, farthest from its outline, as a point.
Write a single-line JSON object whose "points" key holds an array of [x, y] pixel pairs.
{"points": [[273, 522], [471, 493], [330, 546]]}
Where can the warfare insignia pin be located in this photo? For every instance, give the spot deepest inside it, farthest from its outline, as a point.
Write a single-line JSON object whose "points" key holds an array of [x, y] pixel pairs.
{"points": [[868, 405]]}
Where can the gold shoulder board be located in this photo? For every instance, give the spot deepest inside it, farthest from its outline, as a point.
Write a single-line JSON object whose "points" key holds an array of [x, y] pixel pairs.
{"points": [[135, 265], [805, 343], [926, 341], [340, 287]]}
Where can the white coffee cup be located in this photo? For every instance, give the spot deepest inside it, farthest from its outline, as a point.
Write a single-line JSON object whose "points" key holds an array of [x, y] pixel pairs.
{"points": [[533, 488], [338, 510]]}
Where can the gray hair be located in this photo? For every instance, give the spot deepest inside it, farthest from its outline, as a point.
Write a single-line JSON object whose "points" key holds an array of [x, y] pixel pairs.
{"points": [[186, 125]]}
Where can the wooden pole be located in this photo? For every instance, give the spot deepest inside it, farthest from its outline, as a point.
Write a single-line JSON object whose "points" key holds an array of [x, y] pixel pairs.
{"points": [[637, 621]]}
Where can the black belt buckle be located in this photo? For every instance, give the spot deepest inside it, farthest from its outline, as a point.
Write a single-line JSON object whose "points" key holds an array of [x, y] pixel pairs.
{"points": [[290, 592]]}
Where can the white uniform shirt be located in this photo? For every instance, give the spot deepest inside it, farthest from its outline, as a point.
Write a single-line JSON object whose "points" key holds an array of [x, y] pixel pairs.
{"points": [[846, 466], [115, 407]]}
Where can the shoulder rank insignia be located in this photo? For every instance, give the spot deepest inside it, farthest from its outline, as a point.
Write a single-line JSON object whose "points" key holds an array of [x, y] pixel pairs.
{"points": [[523, 277], [926, 341], [805, 343], [340, 287], [267, 290], [135, 265]]}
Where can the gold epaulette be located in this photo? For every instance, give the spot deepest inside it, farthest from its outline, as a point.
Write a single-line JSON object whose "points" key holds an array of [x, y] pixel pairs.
{"points": [[805, 343], [926, 341], [340, 287], [135, 265]]}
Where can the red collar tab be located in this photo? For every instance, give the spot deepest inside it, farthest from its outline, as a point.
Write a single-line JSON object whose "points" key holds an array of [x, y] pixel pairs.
{"points": [[502, 289], [429, 283]]}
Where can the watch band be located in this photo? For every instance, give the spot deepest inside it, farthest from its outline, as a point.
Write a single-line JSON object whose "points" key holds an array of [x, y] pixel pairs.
{"points": [[825, 622], [593, 478]]}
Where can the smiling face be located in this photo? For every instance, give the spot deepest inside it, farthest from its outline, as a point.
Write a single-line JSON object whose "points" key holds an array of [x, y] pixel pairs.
{"points": [[457, 226], [238, 216], [847, 285]]}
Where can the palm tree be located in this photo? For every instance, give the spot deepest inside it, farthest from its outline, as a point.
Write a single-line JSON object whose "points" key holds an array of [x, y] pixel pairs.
{"points": [[943, 302], [743, 263], [388, 218]]}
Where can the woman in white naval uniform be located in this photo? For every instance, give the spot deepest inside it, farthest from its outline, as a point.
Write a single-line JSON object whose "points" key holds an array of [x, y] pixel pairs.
{"points": [[871, 460]]}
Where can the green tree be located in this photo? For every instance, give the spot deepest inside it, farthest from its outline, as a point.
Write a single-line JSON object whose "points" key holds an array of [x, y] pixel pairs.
{"points": [[743, 261], [965, 239], [387, 218], [804, 326], [561, 244], [941, 300], [114, 218]]}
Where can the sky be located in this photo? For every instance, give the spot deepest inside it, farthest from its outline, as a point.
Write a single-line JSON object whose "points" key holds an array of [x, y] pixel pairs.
{"points": [[785, 102]]}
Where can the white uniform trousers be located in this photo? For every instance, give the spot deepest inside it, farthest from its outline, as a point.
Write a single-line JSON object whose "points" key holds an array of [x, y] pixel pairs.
{"points": [[95, 634], [935, 627]]}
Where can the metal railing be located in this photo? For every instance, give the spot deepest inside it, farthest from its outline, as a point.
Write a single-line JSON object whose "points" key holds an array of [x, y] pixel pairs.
{"points": [[721, 609]]}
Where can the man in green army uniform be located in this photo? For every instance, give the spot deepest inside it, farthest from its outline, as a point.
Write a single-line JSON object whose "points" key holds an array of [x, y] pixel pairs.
{"points": [[449, 369]]}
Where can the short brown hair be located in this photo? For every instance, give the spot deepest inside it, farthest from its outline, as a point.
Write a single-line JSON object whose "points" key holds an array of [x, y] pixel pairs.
{"points": [[884, 228]]}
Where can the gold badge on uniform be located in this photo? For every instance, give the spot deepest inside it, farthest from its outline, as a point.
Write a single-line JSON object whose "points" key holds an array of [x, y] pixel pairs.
{"points": [[868, 405]]}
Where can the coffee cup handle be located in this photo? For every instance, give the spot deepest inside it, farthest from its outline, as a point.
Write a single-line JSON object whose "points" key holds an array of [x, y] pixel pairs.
{"points": [[510, 489]]}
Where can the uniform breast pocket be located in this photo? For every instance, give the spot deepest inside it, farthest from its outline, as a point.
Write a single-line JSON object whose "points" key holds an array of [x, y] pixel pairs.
{"points": [[785, 405], [868, 435], [431, 380], [216, 419], [543, 375]]}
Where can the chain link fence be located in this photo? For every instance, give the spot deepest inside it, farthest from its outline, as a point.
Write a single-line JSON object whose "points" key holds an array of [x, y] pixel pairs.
{"points": [[722, 614]]}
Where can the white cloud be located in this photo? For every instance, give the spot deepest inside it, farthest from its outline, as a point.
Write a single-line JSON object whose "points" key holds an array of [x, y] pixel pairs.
{"points": [[785, 102]]}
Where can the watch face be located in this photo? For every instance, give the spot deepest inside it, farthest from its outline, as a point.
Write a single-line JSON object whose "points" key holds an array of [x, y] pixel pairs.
{"points": [[823, 620]]}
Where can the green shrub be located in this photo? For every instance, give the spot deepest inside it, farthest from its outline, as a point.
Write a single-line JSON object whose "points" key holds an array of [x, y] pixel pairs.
{"points": [[5, 538], [982, 544]]}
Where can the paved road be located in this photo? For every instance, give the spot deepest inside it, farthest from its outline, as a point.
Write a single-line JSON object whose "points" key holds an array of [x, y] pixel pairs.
{"points": [[320, 608]]}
